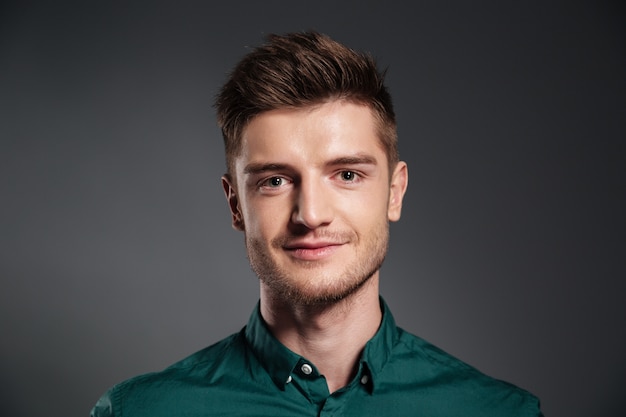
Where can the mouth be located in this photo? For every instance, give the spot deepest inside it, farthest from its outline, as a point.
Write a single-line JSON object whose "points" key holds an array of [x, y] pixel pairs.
{"points": [[312, 251]]}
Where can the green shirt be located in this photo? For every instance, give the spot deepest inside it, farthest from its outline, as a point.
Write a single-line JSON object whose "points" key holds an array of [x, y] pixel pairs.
{"points": [[252, 374]]}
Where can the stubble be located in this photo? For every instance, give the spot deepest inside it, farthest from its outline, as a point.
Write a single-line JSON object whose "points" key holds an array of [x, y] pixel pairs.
{"points": [[312, 283]]}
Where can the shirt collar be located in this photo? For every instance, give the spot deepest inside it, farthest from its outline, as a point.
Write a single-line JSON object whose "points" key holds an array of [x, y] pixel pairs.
{"points": [[378, 349], [280, 362], [277, 359]]}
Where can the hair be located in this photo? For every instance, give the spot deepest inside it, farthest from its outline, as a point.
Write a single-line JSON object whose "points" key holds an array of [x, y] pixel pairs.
{"points": [[297, 70]]}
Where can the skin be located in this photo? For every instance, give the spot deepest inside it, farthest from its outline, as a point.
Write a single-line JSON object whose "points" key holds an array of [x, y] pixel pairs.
{"points": [[313, 194]]}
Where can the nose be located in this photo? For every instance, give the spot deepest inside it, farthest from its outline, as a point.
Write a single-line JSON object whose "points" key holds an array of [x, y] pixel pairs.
{"points": [[313, 204]]}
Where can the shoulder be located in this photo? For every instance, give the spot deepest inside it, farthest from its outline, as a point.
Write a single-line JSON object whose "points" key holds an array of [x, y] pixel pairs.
{"points": [[155, 387], [427, 365]]}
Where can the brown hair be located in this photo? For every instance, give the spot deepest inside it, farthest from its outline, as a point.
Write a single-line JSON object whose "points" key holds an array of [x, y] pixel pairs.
{"points": [[297, 70]]}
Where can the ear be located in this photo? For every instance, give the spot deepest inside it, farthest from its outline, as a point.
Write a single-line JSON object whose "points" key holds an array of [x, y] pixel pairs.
{"points": [[233, 202], [397, 188]]}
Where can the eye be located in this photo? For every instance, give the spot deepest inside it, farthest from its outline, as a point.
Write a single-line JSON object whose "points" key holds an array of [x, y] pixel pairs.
{"points": [[273, 182], [348, 176]]}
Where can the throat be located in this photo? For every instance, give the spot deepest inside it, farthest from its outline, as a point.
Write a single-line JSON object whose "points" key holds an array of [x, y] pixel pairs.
{"points": [[331, 337]]}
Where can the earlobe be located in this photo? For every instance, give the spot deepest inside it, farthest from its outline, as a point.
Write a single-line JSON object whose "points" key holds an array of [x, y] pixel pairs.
{"points": [[233, 202], [398, 186]]}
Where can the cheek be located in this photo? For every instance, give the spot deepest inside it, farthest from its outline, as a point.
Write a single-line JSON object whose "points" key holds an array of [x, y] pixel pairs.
{"points": [[265, 220], [364, 208], [372, 199]]}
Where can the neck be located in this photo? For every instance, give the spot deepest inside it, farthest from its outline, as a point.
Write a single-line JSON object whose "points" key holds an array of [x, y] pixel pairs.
{"points": [[331, 336]]}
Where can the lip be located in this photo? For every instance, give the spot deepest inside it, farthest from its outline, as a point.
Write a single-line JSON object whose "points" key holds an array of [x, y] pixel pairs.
{"points": [[312, 250]]}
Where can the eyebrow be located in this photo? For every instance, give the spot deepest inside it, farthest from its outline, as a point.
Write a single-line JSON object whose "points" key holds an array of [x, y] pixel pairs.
{"points": [[359, 159], [259, 168]]}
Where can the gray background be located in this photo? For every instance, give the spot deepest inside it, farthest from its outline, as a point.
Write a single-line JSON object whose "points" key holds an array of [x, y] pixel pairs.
{"points": [[116, 253]]}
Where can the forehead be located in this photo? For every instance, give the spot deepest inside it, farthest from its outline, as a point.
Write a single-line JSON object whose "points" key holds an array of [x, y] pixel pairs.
{"points": [[311, 134]]}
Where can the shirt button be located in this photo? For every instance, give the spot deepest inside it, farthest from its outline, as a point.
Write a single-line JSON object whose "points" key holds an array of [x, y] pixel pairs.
{"points": [[306, 369], [364, 379], [288, 379]]}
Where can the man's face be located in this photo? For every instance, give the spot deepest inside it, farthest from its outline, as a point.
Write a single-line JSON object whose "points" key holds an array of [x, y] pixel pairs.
{"points": [[312, 193]]}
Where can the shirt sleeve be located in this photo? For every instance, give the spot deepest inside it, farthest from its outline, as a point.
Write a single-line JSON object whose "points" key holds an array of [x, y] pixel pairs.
{"points": [[104, 407], [535, 406]]}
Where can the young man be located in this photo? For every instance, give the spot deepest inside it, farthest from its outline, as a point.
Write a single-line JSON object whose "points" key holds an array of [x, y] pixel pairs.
{"points": [[313, 179]]}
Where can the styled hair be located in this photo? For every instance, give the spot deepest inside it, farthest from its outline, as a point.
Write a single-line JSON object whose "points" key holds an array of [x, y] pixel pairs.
{"points": [[297, 70]]}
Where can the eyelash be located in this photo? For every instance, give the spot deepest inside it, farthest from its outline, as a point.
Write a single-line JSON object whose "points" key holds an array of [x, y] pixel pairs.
{"points": [[355, 175], [268, 182]]}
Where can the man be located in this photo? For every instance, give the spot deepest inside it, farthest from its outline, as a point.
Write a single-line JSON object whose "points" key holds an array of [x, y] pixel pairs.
{"points": [[313, 178]]}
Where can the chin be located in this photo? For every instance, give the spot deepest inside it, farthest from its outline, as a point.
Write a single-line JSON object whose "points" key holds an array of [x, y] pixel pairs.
{"points": [[315, 294]]}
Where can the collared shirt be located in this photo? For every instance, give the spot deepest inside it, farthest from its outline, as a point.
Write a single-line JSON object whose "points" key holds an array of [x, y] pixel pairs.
{"points": [[252, 374]]}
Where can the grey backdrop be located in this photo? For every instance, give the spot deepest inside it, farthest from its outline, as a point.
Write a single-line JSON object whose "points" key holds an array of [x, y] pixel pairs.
{"points": [[116, 253]]}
